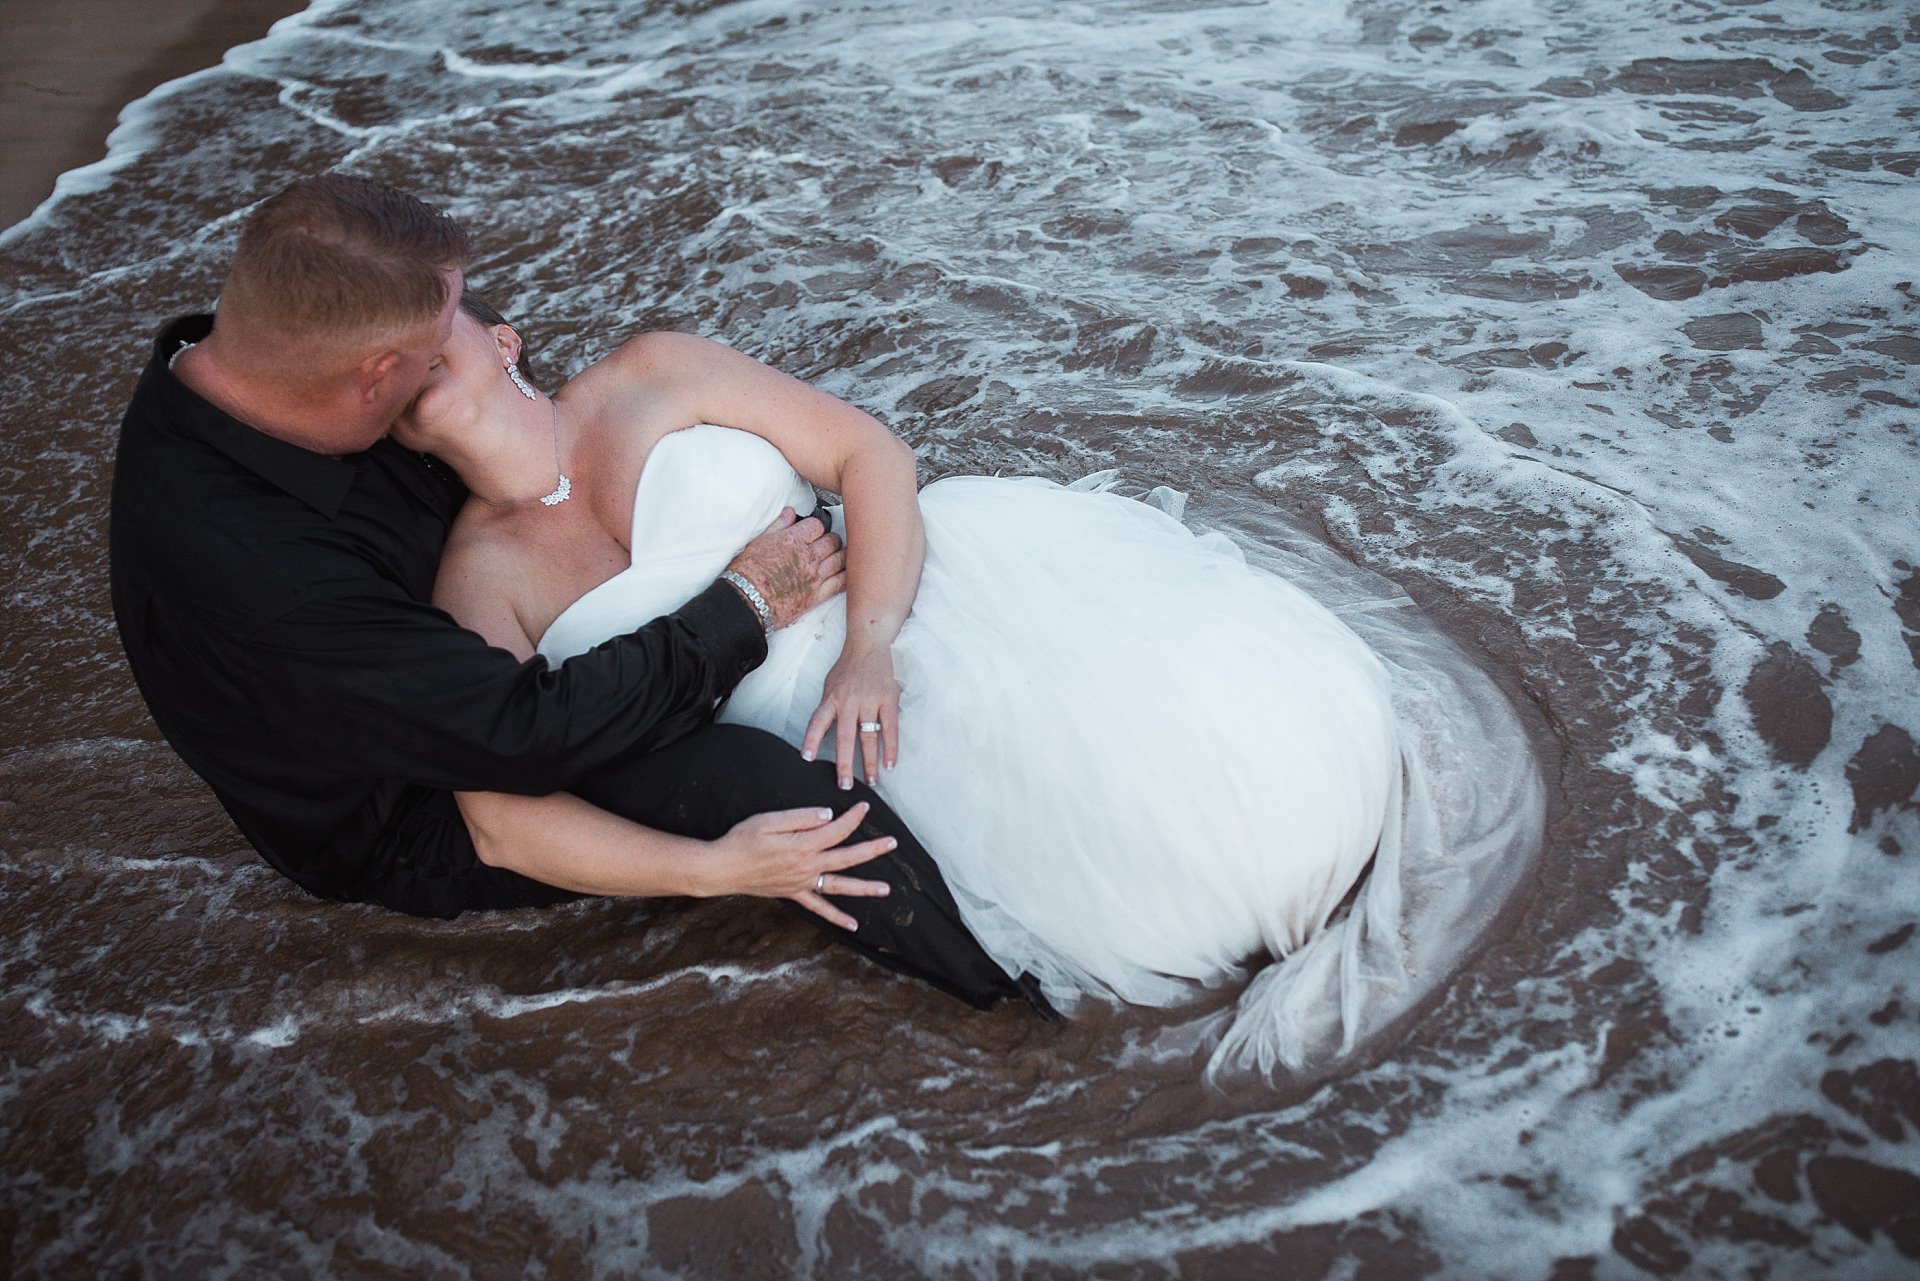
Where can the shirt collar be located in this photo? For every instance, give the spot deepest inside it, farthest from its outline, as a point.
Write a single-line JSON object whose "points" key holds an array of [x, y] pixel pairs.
{"points": [[318, 480]]}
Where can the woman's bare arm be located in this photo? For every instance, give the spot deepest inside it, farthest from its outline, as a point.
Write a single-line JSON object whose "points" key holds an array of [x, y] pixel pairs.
{"points": [[562, 840], [839, 448]]}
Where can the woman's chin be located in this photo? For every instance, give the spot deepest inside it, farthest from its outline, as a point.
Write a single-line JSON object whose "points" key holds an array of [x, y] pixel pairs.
{"points": [[407, 435], [419, 429]]}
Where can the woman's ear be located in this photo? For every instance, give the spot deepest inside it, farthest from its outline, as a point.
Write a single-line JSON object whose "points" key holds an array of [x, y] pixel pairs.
{"points": [[508, 342]]}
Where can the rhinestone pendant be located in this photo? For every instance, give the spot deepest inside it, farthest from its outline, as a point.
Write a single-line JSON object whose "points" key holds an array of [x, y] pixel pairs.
{"points": [[561, 493]]}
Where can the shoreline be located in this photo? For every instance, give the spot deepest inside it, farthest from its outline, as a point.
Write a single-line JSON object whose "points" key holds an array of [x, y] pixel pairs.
{"points": [[70, 66]]}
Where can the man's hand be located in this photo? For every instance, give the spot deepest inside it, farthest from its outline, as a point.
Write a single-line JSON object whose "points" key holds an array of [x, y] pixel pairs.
{"points": [[796, 564]]}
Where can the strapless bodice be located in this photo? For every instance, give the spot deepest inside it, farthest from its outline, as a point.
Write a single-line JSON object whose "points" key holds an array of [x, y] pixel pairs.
{"points": [[703, 494]]}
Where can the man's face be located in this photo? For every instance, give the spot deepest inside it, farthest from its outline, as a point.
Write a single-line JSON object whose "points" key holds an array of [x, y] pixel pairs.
{"points": [[416, 356]]}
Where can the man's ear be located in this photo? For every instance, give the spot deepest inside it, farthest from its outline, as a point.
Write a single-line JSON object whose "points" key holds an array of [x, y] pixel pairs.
{"points": [[374, 371]]}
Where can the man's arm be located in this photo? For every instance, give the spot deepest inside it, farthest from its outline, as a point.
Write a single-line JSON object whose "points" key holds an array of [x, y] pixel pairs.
{"points": [[394, 687], [564, 841]]}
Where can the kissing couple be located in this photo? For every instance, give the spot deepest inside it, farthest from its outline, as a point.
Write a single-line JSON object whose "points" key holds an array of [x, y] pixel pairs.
{"points": [[445, 635]]}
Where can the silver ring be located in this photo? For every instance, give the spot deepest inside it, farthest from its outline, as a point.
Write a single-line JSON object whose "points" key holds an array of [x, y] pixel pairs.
{"points": [[869, 727], [820, 883]]}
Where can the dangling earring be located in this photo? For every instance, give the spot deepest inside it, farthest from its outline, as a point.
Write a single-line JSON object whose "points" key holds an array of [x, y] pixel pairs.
{"points": [[526, 389]]}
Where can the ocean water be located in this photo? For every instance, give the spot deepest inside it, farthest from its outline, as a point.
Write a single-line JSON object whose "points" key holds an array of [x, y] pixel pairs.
{"points": [[1591, 325]]}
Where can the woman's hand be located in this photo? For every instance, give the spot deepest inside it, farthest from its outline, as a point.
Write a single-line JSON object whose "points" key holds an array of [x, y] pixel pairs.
{"points": [[793, 854], [860, 691]]}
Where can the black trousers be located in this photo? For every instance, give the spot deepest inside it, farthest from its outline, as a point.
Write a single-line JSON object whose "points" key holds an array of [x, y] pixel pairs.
{"points": [[701, 786]]}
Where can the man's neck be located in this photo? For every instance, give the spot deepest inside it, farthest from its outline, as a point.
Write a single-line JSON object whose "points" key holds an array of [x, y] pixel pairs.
{"points": [[268, 410]]}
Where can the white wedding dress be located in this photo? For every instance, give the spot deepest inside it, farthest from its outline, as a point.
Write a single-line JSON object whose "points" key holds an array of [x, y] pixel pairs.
{"points": [[1140, 762]]}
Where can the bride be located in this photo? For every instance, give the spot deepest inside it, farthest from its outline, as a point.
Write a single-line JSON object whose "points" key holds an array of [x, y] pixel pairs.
{"points": [[1142, 764]]}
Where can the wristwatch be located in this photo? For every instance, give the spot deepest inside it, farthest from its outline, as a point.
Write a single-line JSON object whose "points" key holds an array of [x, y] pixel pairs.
{"points": [[746, 588]]}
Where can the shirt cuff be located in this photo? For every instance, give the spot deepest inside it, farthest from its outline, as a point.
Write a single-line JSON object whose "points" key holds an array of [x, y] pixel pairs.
{"points": [[729, 627]]}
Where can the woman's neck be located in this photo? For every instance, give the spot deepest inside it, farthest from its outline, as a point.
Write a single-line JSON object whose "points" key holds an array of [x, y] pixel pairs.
{"points": [[521, 462]]}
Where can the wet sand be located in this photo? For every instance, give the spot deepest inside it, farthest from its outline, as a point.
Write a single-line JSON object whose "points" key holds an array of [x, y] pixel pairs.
{"points": [[68, 66]]}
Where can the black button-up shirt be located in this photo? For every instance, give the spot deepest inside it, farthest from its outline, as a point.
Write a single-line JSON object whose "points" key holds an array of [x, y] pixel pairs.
{"points": [[274, 604]]}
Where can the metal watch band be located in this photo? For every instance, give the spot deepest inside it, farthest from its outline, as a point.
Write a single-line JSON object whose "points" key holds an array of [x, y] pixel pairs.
{"points": [[754, 598]]}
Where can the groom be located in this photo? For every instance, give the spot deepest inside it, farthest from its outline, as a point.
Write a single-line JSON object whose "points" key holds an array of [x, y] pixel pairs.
{"points": [[273, 556]]}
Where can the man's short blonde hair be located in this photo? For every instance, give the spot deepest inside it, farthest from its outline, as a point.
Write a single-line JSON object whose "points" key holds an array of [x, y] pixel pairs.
{"points": [[340, 261]]}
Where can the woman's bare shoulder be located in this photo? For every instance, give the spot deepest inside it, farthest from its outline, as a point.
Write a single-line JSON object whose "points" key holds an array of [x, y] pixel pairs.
{"points": [[636, 394], [644, 372], [667, 365], [662, 350]]}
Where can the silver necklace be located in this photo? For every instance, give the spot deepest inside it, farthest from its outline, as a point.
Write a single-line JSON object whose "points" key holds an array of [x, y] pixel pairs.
{"points": [[564, 490], [561, 492]]}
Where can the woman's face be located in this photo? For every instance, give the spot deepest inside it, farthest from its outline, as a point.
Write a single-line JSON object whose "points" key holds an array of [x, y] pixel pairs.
{"points": [[462, 380]]}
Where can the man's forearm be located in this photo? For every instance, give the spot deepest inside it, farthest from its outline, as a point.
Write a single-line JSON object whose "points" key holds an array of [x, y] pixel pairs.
{"points": [[405, 696], [563, 841]]}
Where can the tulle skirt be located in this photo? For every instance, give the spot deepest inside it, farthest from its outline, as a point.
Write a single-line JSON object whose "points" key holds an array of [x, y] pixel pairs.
{"points": [[1146, 765]]}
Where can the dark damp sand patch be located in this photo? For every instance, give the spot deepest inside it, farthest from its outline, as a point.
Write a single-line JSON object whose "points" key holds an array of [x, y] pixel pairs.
{"points": [[1734, 331], [1789, 707], [1884, 774], [1728, 78], [1742, 580], [1833, 635], [1729, 252], [1792, 1158], [67, 67], [1907, 607]]}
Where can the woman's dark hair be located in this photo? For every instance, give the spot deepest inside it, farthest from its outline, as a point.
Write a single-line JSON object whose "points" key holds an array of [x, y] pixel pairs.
{"points": [[487, 314]]}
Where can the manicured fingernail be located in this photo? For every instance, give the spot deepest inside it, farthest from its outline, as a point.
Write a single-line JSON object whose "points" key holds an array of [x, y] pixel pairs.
{"points": [[890, 845], [826, 816], [846, 785], [806, 756]]}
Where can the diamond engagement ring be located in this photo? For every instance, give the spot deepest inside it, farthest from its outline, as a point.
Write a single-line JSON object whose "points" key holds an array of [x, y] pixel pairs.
{"points": [[820, 883], [869, 727]]}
